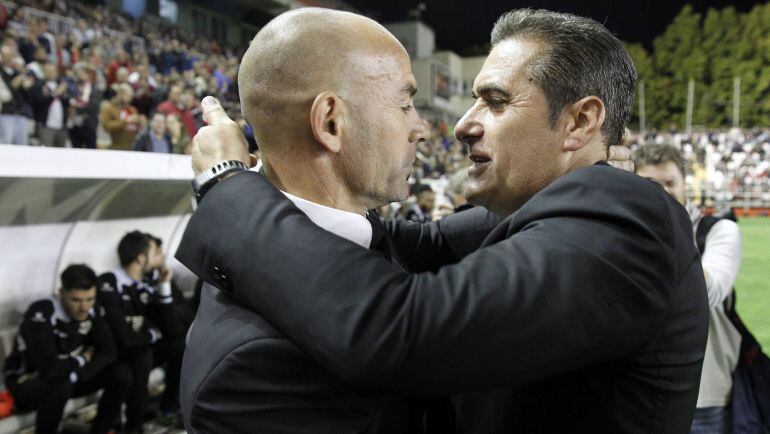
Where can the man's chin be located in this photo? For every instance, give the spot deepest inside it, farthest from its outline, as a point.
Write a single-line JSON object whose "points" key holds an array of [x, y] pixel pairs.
{"points": [[475, 196]]}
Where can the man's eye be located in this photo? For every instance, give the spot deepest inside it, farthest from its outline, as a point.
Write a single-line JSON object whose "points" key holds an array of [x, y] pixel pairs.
{"points": [[407, 109], [495, 104]]}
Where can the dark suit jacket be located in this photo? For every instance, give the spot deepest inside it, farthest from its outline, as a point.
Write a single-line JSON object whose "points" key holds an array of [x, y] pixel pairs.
{"points": [[240, 374], [589, 304]]}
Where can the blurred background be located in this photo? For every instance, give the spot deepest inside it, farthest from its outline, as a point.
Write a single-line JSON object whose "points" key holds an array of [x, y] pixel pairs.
{"points": [[100, 104]]}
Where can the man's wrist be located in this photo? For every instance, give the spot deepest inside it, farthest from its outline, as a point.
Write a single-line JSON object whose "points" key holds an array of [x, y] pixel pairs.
{"points": [[214, 174]]}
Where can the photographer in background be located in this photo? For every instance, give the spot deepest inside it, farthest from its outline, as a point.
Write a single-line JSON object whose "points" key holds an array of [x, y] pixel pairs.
{"points": [[721, 258]]}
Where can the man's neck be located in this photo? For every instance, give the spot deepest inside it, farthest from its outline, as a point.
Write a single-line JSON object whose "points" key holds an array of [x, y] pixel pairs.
{"points": [[313, 183], [134, 271], [587, 156]]}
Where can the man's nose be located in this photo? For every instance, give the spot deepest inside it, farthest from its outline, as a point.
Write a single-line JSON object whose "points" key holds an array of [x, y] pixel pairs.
{"points": [[468, 130], [420, 133]]}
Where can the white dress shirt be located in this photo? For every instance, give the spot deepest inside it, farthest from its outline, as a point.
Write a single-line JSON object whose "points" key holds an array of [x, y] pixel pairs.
{"points": [[351, 226]]}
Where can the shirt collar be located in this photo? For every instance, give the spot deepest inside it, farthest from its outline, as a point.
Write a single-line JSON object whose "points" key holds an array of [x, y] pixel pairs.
{"points": [[58, 311], [351, 226], [123, 279]]}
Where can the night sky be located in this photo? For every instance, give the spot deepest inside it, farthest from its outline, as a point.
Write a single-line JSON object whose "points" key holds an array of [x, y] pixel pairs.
{"points": [[464, 25]]}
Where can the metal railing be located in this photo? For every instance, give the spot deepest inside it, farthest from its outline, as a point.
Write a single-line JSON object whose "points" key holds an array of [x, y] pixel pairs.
{"points": [[744, 198], [58, 24]]}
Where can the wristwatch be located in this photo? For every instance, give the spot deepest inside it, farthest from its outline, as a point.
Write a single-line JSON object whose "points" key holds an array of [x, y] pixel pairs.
{"points": [[203, 182]]}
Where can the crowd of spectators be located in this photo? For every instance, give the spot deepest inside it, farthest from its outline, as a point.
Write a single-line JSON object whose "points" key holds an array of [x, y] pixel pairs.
{"points": [[722, 166], [100, 82], [110, 81]]}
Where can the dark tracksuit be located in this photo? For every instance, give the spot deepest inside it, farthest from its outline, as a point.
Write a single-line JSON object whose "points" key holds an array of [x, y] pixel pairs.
{"points": [[46, 367], [137, 316]]}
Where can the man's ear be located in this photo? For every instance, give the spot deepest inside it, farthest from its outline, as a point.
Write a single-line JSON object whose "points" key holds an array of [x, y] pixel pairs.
{"points": [[584, 120], [327, 119]]}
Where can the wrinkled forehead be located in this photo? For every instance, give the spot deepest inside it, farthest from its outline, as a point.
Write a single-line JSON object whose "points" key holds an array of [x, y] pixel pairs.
{"points": [[387, 71], [509, 64]]}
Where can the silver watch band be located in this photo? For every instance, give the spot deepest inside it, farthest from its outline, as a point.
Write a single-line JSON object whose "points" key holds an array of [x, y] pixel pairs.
{"points": [[206, 179]]}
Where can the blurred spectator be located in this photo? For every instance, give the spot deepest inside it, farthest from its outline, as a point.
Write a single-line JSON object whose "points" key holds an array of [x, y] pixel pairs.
{"points": [[84, 108], [180, 140], [144, 97], [182, 103], [422, 210], [35, 37], [191, 114], [50, 103], [61, 55], [120, 77], [82, 34], [3, 17], [121, 119], [39, 59], [456, 189], [16, 112], [64, 349], [121, 61], [155, 139]]}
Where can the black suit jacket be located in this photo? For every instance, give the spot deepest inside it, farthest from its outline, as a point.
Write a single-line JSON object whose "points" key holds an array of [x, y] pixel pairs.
{"points": [[588, 304], [240, 374]]}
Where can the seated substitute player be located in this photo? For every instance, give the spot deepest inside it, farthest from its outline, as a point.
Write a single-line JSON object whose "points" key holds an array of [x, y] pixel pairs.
{"points": [[64, 349], [137, 311]]}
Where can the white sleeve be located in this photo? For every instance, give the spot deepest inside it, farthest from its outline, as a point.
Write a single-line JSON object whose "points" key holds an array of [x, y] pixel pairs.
{"points": [[722, 260]]}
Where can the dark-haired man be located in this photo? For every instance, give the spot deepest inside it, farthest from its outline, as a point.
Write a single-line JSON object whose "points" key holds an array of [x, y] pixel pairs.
{"points": [[585, 306], [64, 349], [135, 310], [422, 210]]}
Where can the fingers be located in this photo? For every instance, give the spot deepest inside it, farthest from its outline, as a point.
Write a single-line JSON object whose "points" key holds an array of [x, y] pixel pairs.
{"points": [[626, 137], [626, 165], [213, 113], [619, 153]]}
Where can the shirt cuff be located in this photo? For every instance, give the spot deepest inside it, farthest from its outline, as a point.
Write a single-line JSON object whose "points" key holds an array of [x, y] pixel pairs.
{"points": [[164, 291], [81, 361], [73, 377]]}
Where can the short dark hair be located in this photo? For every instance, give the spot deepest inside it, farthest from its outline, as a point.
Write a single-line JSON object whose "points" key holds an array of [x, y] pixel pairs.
{"points": [[419, 189], [78, 276], [583, 58], [654, 154], [132, 245]]}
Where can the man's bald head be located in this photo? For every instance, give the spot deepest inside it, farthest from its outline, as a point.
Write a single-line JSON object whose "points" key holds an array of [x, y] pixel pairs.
{"points": [[302, 53]]}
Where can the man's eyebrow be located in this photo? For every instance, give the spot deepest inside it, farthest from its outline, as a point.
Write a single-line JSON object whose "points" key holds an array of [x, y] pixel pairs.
{"points": [[487, 88], [409, 89]]}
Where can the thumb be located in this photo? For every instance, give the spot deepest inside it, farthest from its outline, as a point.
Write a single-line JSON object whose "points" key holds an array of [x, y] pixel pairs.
{"points": [[213, 113]]}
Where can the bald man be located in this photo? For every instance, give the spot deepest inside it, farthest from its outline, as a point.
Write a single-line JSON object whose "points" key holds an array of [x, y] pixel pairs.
{"points": [[329, 95]]}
